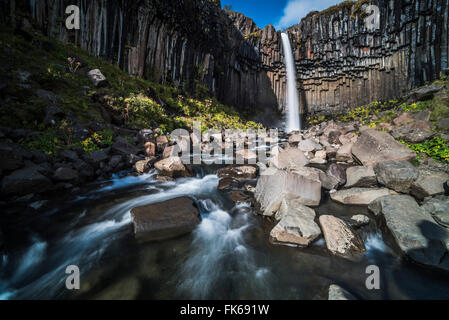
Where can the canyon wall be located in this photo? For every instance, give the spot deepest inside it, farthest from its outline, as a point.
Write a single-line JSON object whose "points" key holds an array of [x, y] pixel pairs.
{"points": [[340, 63], [177, 42]]}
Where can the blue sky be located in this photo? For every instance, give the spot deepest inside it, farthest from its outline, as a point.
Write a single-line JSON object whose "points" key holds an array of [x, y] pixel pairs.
{"points": [[280, 13]]}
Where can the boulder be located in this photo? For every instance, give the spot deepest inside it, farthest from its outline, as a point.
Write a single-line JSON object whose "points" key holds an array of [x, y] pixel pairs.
{"points": [[173, 167], [143, 166], [344, 154], [168, 152], [443, 124], [96, 157], [362, 177], [69, 155], [150, 149], [297, 224], [334, 136], [438, 207], [328, 182], [340, 239], [124, 148], [115, 161], [358, 196], [275, 185], [337, 172], [403, 119], [65, 174], [240, 172], [25, 181], [414, 231], [359, 220], [229, 184], [376, 146], [396, 175], [289, 157], [96, 78], [337, 293], [348, 139], [52, 115], [10, 156], [164, 220], [322, 154], [425, 93], [416, 132], [309, 146], [429, 183], [240, 197], [295, 139]]}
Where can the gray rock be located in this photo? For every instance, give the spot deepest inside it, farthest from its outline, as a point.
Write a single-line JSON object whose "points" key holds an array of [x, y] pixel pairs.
{"points": [[65, 174], [25, 181], [328, 182], [166, 219], [358, 196], [396, 175], [123, 147], [337, 172], [361, 177], [275, 185], [115, 161], [69, 155], [438, 207], [309, 146], [425, 93], [23, 76], [414, 231], [429, 183], [344, 153], [416, 132], [97, 78], [53, 114], [173, 167], [96, 157], [297, 224], [10, 156], [337, 293], [289, 157], [359, 220], [340, 239], [443, 124], [376, 146], [47, 95]]}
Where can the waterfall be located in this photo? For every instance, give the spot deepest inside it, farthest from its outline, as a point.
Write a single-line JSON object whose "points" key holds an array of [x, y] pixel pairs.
{"points": [[293, 119]]}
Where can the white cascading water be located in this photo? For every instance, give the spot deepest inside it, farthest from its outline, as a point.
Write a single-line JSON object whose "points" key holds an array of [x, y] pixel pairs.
{"points": [[293, 119]]}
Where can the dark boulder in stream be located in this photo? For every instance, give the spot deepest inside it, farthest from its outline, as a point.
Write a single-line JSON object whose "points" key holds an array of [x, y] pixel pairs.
{"points": [[165, 220]]}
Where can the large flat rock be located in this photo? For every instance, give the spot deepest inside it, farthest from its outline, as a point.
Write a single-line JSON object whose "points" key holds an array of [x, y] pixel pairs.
{"points": [[376, 146], [288, 157], [362, 177], [166, 219], [275, 185], [416, 234], [359, 196]]}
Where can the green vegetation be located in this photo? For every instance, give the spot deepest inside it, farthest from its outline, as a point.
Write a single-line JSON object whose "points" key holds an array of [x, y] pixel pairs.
{"points": [[59, 68], [436, 148], [356, 8], [253, 35]]}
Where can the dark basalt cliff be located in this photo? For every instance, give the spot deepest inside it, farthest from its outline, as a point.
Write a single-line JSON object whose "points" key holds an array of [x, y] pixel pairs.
{"points": [[340, 64]]}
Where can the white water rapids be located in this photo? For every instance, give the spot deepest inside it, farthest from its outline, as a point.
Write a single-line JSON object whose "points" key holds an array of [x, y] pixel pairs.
{"points": [[293, 118]]}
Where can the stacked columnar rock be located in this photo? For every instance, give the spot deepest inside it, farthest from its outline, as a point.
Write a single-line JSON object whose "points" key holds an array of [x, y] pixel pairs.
{"points": [[340, 63]]}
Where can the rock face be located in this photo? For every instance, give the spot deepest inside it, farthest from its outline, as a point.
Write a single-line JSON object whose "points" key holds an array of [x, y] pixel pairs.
{"points": [[340, 65], [429, 183], [414, 231], [362, 177], [275, 185], [337, 293], [340, 239], [166, 219], [173, 167], [375, 146], [396, 175], [359, 196], [297, 225]]}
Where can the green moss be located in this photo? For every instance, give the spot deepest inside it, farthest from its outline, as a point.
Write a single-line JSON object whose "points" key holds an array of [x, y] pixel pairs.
{"points": [[436, 148]]}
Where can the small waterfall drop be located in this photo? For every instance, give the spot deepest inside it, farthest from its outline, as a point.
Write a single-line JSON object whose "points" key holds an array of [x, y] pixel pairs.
{"points": [[293, 119]]}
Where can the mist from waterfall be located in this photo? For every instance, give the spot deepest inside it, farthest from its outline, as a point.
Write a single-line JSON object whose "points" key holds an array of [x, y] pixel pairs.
{"points": [[293, 118]]}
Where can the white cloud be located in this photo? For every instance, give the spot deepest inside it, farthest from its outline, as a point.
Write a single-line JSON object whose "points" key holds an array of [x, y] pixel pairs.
{"points": [[295, 10]]}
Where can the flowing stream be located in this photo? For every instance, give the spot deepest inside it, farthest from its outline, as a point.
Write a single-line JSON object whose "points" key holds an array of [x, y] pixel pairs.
{"points": [[228, 256], [293, 118]]}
